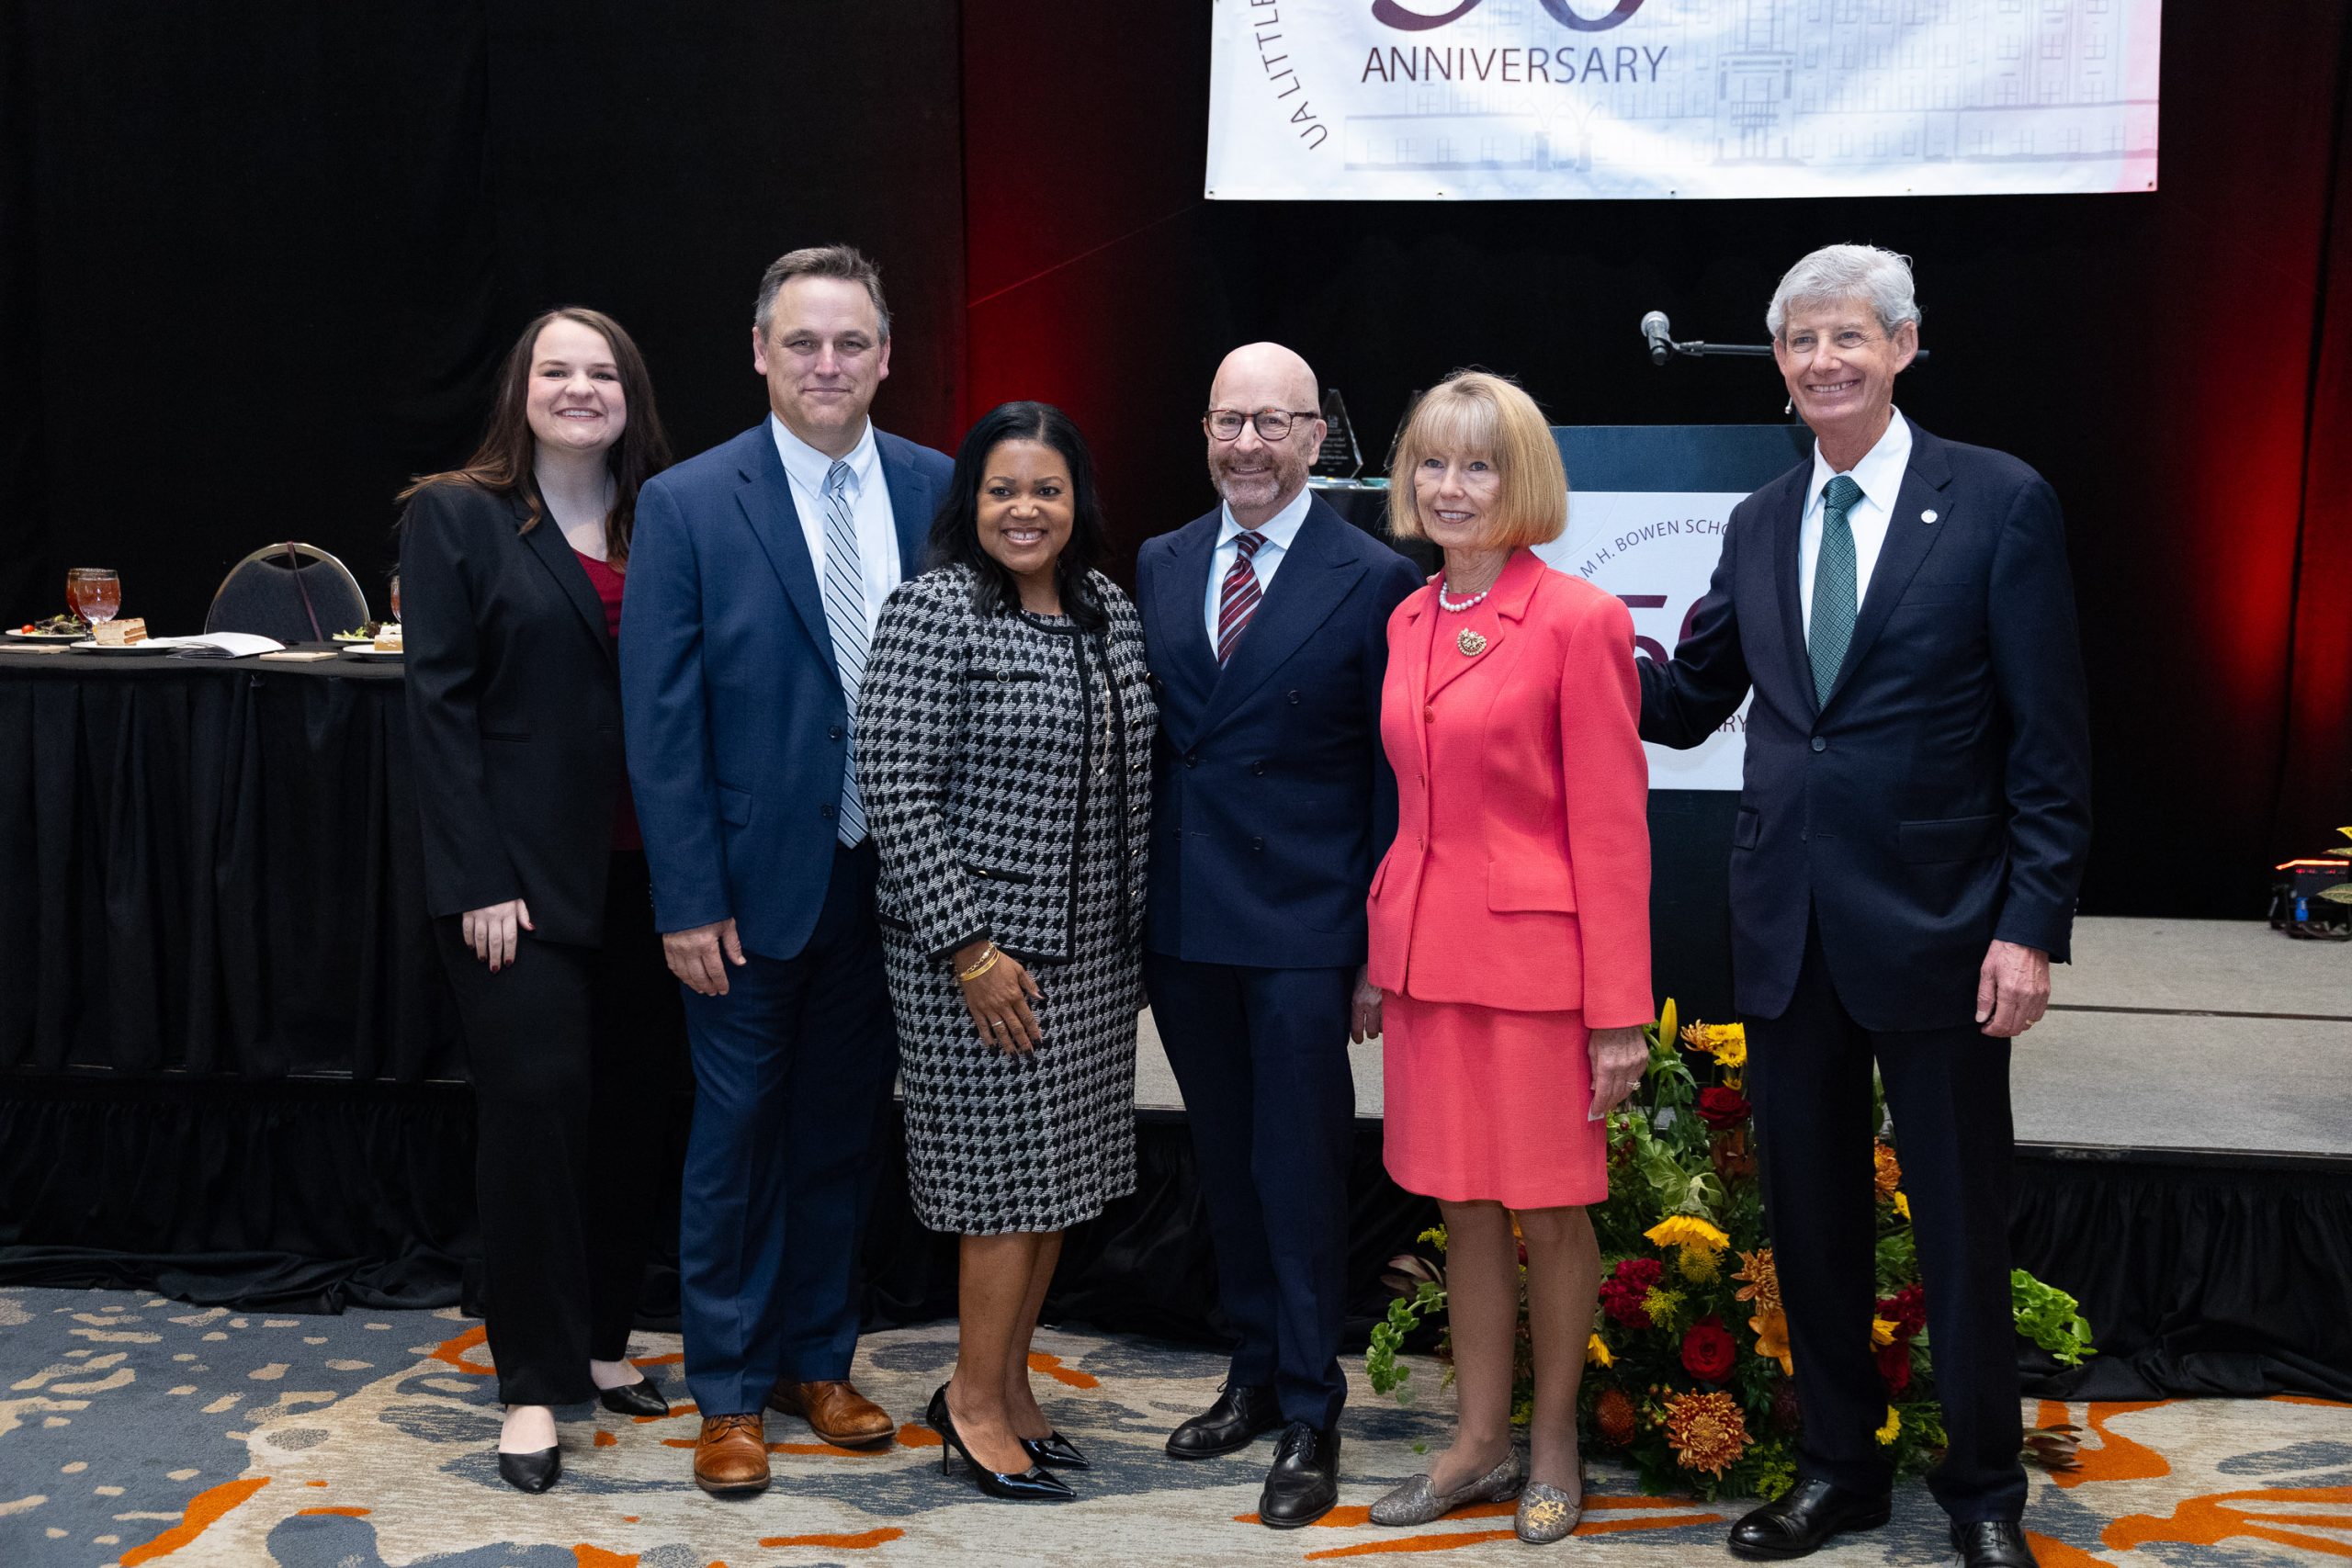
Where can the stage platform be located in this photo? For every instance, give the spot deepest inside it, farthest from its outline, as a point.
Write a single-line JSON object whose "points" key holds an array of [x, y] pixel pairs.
{"points": [[2171, 1038]]}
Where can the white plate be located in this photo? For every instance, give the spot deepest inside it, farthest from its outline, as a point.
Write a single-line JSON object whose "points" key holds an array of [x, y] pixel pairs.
{"points": [[353, 651], [151, 647], [16, 636]]}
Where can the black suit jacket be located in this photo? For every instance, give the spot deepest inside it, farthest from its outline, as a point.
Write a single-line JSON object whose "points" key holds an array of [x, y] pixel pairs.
{"points": [[1272, 800], [515, 712], [1938, 799]]}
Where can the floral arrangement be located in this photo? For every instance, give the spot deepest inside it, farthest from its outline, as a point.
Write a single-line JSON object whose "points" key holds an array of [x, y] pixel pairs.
{"points": [[1688, 1375]]}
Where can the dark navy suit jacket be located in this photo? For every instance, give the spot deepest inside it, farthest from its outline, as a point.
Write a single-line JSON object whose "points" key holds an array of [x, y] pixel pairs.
{"points": [[1938, 799], [735, 724], [1272, 801]]}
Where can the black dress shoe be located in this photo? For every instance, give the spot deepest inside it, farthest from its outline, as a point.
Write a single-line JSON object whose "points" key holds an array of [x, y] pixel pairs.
{"points": [[1304, 1480], [1810, 1513], [1032, 1485], [1240, 1417], [532, 1472], [1992, 1543], [1055, 1451], [639, 1398]]}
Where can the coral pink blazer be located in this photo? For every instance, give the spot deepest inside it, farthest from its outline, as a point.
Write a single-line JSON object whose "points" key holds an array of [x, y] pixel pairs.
{"points": [[1521, 873]]}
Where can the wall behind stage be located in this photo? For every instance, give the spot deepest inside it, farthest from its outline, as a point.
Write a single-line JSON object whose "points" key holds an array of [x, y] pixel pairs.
{"points": [[2175, 363], [257, 262]]}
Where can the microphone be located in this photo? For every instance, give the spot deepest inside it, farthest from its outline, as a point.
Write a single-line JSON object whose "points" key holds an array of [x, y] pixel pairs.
{"points": [[1654, 333]]}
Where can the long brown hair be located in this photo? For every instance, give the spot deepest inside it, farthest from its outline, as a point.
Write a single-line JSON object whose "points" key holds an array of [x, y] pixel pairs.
{"points": [[502, 464]]}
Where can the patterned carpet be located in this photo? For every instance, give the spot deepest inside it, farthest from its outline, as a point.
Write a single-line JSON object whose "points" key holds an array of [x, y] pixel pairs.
{"points": [[135, 1430]]}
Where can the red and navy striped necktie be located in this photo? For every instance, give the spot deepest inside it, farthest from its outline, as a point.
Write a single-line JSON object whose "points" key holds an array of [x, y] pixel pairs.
{"points": [[1239, 599]]}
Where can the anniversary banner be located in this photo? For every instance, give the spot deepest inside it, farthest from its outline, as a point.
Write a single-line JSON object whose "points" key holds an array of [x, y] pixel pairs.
{"points": [[1445, 99]]}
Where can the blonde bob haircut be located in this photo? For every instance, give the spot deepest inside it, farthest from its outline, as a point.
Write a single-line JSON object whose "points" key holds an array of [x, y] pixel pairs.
{"points": [[1471, 413]]}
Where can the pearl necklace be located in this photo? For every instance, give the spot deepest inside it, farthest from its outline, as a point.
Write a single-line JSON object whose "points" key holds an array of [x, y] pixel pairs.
{"points": [[1470, 604]]}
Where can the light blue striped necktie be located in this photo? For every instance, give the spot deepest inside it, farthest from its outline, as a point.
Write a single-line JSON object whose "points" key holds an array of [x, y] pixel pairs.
{"points": [[846, 619], [1835, 599]]}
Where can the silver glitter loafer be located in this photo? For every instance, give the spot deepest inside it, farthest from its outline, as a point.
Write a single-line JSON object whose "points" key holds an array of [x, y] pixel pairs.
{"points": [[1547, 1513], [1415, 1504]]}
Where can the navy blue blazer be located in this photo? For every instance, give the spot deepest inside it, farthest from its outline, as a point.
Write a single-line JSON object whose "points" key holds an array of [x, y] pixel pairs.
{"points": [[735, 724], [1938, 800], [1272, 800]]}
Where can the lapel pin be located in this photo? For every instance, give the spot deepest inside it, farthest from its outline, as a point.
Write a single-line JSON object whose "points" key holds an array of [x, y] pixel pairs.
{"points": [[1927, 517]]}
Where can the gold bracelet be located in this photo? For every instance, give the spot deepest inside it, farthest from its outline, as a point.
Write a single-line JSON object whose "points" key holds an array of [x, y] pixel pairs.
{"points": [[987, 962]]}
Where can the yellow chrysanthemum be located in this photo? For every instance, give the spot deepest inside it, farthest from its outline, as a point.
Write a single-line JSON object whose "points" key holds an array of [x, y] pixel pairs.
{"points": [[1596, 1352], [1686, 1230], [1881, 1332], [1894, 1427], [1698, 1263], [1731, 1051], [1902, 1206], [1771, 1328], [1763, 1280]]}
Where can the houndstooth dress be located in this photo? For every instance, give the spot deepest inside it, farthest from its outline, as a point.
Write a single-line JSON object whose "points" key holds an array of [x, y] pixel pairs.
{"points": [[1005, 763]]}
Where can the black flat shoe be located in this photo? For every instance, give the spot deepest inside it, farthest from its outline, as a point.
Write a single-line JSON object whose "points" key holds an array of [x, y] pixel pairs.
{"points": [[639, 1398], [1240, 1417], [1804, 1520], [532, 1472], [1992, 1543], [1055, 1451], [1305, 1480], [1032, 1485]]}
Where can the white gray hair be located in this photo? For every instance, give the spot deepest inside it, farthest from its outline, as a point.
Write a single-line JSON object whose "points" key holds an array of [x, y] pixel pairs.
{"points": [[1837, 273]]}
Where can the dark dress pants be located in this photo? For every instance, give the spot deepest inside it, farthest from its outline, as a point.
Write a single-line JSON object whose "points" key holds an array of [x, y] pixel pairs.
{"points": [[1809, 1078], [792, 1067], [567, 1046], [1261, 1058]]}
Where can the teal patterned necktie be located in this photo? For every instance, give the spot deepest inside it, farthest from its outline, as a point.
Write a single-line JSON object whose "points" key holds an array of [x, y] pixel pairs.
{"points": [[1834, 599]]}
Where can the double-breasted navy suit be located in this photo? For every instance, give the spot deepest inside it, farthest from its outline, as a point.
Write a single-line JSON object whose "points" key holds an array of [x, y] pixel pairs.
{"points": [[1272, 803], [1934, 802], [737, 732]]}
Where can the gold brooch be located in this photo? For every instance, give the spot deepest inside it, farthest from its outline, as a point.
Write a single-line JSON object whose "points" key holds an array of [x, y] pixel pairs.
{"points": [[1471, 643]]}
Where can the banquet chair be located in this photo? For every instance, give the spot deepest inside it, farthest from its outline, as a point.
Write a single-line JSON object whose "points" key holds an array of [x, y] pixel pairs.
{"points": [[294, 592]]}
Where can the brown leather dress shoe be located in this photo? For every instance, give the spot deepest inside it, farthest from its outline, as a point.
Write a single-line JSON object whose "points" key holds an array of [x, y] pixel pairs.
{"points": [[835, 1411], [732, 1455]]}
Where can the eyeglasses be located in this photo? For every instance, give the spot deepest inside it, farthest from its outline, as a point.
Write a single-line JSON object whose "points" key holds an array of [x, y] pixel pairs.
{"points": [[1273, 425]]}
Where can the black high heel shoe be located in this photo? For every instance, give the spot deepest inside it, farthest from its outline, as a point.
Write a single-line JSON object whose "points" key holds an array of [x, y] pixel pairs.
{"points": [[639, 1398], [1033, 1485], [1054, 1451], [533, 1473]]}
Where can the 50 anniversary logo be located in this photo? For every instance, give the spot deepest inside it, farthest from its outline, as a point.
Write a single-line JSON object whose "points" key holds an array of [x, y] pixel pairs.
{"points": [[1392, 12]]}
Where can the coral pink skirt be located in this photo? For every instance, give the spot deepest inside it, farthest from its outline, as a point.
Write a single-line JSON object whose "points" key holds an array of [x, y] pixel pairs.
{"points": [[1482, 1103]]}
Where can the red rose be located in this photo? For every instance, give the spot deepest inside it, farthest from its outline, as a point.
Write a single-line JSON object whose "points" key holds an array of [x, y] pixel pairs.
{"points": [[1623, 1294], [1894, 1366], [1708, 1350], [1722, 1109]]}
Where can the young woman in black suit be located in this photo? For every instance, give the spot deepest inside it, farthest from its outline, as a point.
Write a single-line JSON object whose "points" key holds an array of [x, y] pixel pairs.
{"points": [[511, 569]]}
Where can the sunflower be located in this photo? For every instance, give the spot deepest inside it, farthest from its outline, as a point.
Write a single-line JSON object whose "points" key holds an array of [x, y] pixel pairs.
{"points": [[1888, 1174], [1686, 1230], [1763, 1280], [1596, 1352], [1771, 1328], [1612, 1414], [1894, 1427], [1881, 1332], [1706, 1431]]}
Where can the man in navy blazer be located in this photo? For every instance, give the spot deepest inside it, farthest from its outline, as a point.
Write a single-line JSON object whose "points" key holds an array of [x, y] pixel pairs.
{"points": [[1910, 839], [1266, 623], [758, 570]]}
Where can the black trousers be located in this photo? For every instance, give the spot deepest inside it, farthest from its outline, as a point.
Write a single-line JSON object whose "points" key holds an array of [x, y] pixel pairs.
{"points": [[1261, 1057], [1809, 1078], [569, 1048]]}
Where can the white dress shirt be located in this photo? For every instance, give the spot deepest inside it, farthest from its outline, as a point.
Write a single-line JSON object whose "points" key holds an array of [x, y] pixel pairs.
{"points": [[1880, 473], [869, 506], [1280, 530]]}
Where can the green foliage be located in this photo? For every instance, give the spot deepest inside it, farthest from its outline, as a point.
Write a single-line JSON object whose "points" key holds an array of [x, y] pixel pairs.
{"points": [[2050, 1318], [1381, 1367]]}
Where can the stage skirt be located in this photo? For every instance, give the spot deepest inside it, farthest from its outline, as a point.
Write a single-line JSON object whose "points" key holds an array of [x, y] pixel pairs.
{"points": [[1484, 1103]]}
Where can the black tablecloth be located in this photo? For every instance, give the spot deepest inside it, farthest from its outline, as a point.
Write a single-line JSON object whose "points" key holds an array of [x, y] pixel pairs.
{"points": [[212, 867]]}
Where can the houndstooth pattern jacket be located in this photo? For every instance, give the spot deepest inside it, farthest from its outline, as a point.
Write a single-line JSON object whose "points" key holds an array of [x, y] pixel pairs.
{"points": [[974, 738]]}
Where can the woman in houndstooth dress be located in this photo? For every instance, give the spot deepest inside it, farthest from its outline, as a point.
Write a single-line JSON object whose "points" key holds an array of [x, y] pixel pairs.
{"points": [[1005, 739]]}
